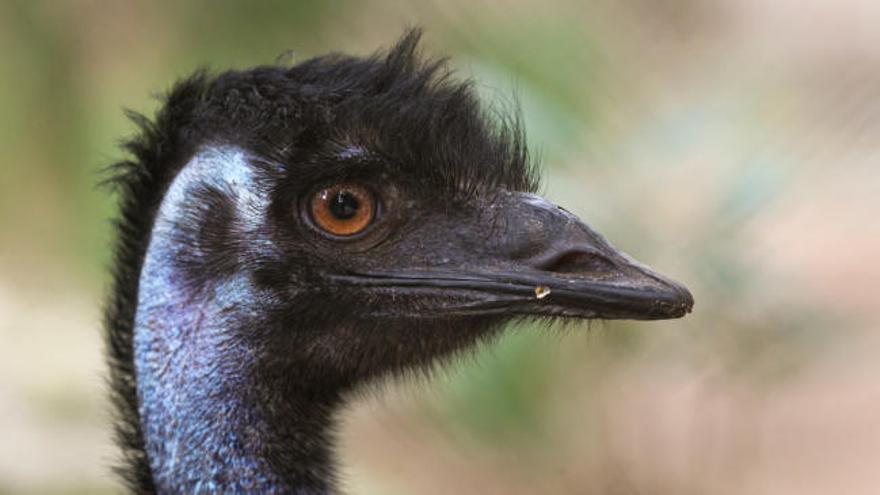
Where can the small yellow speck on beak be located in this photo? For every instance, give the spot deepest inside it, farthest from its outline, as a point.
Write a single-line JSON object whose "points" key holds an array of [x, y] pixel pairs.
{"points": [[542, 291]]}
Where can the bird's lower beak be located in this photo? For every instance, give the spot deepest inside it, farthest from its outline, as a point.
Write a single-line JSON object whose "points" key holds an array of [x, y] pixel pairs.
{"points": [[527, 256]]}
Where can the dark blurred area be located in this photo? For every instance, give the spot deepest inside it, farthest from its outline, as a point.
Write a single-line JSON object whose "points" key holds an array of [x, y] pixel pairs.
{"points": [[734, 145]]}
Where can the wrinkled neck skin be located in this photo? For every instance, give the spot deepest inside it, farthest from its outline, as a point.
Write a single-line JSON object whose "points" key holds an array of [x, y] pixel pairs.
{"points": [[212, 420]]}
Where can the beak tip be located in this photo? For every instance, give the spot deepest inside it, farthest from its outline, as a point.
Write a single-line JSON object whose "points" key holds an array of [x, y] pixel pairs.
{"points": [[671, 300], [684, 301]]}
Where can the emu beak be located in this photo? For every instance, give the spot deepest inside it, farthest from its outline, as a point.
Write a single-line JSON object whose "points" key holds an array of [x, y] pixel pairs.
{"points": [[574, 271], [522, 255]]}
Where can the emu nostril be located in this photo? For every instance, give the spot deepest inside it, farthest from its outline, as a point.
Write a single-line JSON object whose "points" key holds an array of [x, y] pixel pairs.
{"points": [[585, 262]]}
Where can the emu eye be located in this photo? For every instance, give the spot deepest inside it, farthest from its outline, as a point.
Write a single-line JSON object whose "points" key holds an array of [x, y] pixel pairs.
{"points": [[343, 209]]}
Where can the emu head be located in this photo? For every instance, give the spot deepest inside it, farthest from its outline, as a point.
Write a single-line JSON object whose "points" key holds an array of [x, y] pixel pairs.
{"points": [[356, 217]]}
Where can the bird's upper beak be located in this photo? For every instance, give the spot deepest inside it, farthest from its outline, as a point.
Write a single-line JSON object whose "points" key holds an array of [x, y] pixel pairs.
{"points": [[523, 255], [573, 270]]}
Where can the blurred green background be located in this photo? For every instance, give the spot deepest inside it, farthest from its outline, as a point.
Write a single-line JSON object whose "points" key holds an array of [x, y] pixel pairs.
{"points": [[734, 145]]}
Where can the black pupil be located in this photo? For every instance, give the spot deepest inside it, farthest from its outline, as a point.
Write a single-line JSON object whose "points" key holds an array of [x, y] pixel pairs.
{"points": [[344, 205]]}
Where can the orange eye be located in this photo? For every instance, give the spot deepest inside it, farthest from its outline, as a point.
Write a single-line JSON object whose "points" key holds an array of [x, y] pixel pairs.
{"points": [[343, 209]]}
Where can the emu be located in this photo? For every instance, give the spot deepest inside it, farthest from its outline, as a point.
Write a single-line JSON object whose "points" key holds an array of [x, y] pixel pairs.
{"points": [[287, 234]]}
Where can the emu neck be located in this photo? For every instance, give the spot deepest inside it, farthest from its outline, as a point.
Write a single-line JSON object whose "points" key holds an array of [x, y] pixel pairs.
{"points": [[218, 415]]}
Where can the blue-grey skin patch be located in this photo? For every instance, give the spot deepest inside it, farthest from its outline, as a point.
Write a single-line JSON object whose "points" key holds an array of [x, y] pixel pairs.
{"points": [[352, 151], [201, 425]]}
